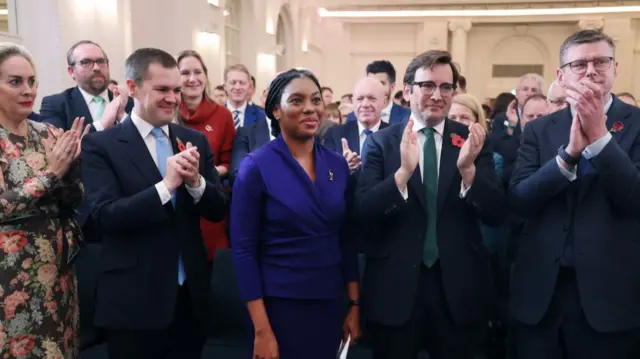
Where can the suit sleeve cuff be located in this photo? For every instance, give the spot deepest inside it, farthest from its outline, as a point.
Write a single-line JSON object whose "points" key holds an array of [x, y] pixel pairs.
{"points": [[163, 192], [570, 175], [595, 148], [98, 126], [197, 192]]}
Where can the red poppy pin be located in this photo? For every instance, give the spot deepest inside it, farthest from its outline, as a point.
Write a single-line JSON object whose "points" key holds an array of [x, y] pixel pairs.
{"points": [[457, 140], [181, 146], [617, 127]]}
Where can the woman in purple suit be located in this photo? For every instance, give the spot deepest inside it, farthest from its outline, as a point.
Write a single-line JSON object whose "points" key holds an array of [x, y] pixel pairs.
{"points": [[290, 206]]}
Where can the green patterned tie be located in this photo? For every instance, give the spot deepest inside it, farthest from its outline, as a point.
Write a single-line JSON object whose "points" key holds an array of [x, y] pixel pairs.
{"points": [[430, 179], [101, 105]]}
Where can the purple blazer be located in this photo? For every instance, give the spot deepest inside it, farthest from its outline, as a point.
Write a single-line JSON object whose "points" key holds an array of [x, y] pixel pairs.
{"points": [[286, 231]]}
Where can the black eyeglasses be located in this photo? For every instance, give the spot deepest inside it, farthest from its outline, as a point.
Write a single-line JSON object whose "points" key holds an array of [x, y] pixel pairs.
{"points": [[429, 87], [88, 63], [600, 64]]}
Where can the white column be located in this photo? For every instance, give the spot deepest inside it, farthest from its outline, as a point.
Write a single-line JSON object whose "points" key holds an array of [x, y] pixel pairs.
{"points": [[459, 31]]}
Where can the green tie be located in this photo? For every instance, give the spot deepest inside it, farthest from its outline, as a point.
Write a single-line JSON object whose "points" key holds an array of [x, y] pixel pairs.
{"points": [[430, 179], [100, 101]]}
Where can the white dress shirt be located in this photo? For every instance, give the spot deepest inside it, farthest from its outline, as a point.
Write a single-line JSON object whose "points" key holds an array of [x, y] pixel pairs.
{"points": [[438, 131], [386, 112], [271, 137], [590, 151], [363, 137], [242, 109], [145, 129]]}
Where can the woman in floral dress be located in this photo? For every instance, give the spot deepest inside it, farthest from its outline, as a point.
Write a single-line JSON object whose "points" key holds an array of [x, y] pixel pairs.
{"points": [[39, 188]]}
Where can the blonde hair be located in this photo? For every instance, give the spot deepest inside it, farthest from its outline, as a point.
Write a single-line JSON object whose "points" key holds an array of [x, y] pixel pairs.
{"points": [[239, 68], [9, 49], [535, 77], [192, 53], [472, 103]]}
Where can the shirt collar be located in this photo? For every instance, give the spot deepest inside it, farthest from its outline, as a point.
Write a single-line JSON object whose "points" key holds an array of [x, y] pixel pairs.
{"points": [[607, 106], [145, 127], [387, 110], [361, 128], [418, 125], [241, 109], [88, 98]]}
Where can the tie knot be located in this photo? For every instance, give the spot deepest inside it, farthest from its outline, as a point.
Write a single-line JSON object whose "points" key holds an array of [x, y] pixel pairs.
{"points": [[367, 132], [157, 133], [98, 99], [428, 131]]}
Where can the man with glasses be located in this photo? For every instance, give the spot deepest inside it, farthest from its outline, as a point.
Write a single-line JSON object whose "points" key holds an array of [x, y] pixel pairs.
{"points": [[575, 285], [88, 66], [425, 187]]}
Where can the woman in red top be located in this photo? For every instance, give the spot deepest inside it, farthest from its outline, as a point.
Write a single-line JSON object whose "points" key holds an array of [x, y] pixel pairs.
{"points": [[199, 112]]}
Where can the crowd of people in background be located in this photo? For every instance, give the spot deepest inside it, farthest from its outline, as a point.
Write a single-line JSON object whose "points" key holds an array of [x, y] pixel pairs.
{"points": [[506, 227]]}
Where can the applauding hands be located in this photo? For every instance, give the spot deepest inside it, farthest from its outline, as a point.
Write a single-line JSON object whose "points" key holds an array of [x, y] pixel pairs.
{"points": [[184, 168], [65, 148], [589, 122]]}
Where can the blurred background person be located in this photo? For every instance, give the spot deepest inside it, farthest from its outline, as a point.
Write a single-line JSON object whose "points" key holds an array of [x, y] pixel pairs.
{"points": [[219, 95]]}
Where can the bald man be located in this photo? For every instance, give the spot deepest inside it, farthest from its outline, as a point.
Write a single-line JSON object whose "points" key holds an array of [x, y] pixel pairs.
{"points": [[369, 98], [250, 138], [556, 97]]}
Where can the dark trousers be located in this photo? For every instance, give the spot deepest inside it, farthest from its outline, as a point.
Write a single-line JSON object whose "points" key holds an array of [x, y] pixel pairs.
{"points": [[430, 327], [565, 333], [184, 338]]}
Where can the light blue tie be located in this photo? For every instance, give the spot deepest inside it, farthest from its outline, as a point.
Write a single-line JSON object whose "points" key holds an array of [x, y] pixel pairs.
{"points": [[163, 150]]}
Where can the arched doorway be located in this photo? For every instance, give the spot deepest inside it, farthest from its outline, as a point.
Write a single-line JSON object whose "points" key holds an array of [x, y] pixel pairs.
{"points": [[284, 39]]}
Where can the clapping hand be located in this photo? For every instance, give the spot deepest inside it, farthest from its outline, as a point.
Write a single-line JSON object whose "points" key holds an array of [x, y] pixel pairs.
{"points": [[115, 109], [469, 153], [189, 165], [587, 98], [65, 149], [353, 159]]}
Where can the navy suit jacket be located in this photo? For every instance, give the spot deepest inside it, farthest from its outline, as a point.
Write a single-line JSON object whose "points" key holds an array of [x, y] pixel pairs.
{"points": [[604, 205], [61, 109], [394, 255], [142, 238], [248, 139], [398, 114], [286, 230], [252, 115]]}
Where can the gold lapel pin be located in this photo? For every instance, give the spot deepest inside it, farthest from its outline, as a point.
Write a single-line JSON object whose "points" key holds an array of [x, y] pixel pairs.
{"points": [[330, 175]]}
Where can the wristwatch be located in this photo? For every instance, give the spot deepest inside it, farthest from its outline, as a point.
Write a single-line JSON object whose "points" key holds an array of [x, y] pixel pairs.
{"points": [[562, 153], [353, 303]]}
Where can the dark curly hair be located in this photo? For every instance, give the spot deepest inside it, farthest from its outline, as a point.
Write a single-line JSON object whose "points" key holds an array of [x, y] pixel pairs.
{"points": [[276, 89]]}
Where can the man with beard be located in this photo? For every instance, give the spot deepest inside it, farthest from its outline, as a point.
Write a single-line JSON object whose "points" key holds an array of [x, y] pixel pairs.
{"points": [[89, 68], [383, 71]]}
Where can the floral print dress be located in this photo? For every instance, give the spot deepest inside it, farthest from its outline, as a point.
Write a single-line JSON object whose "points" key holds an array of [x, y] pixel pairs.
{"points": [[38, 289]]}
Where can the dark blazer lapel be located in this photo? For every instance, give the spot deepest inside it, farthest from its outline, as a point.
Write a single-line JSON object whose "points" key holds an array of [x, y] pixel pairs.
{"points": [[261, 133], [250, 115], [110, 95], [138, 152], [558, 133], [415, 182], [79, 107], [448, 166], [617, 113], [352, 136]]}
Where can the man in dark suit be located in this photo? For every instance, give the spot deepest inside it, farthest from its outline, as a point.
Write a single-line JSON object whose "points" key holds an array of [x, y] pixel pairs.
{"points": [[89, 68], [148, 187], [428, 280], [248, 138], [384, 72], [237, 82], [88, 65], [576, 278], [369, 99]]}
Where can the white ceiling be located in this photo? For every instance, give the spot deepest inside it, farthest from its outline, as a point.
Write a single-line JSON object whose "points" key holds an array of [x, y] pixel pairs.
{"points": [[458, 4]]}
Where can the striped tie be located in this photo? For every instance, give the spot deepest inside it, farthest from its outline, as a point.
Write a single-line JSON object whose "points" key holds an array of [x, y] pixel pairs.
{"points": [[236, 118]]}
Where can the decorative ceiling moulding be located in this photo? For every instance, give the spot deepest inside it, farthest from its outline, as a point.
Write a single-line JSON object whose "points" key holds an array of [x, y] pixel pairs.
{"points": [[479, 13], [381, 5]]}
